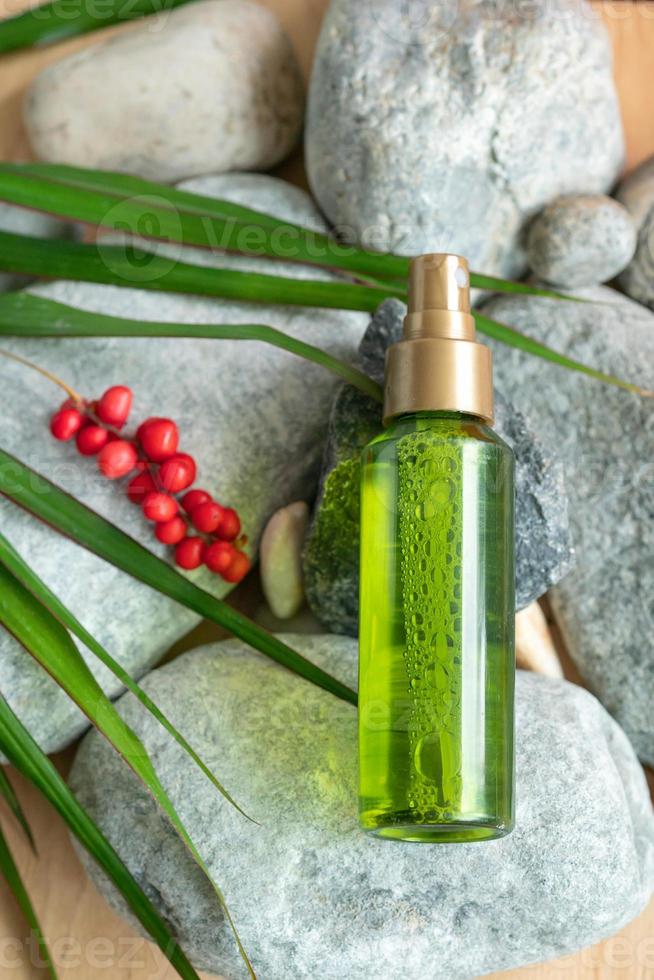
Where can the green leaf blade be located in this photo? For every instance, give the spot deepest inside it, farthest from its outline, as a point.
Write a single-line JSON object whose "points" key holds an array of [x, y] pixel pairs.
{"points": [[47, 640], [194, 219], [152, 210], [11, 799], [51, 504], [499, 331], [114, 265], [162, 213], [26, 315], [10, 558], [52, 22], [11, 874], [20, 748]]}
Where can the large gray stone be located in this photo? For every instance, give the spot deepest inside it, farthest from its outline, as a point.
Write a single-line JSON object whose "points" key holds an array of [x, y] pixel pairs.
{"points": [[604, 437], [581, 240], [636, 192], [213, 86], [21, 221], [331, 553], [443, 126], [313, 896], [254, 417]]}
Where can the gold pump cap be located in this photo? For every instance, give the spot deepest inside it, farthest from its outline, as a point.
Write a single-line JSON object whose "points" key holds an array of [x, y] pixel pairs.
{"points": [[439, 366]]}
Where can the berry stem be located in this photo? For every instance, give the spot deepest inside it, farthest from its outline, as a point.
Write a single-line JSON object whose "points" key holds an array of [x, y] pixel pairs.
{"points": [[76, 397]]}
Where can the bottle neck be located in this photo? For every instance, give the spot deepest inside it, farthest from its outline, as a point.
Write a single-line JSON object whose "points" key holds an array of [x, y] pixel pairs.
{"points": [[463, 418]]}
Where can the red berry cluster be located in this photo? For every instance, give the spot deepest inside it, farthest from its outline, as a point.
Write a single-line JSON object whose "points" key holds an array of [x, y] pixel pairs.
{"points": [[161, 473]]}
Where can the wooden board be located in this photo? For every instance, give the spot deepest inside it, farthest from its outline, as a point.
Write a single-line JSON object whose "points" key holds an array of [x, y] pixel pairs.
{"points": [[88, 940]]}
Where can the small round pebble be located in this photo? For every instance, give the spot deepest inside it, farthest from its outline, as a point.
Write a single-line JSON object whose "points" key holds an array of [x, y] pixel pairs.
{"points": [[636, 192], [581, 240]]}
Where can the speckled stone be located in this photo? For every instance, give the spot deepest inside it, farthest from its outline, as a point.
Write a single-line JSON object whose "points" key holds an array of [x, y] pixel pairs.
{"points": [[636, 192], [254, 417], [331, 553], [212, 86], [313, 896], [22, 221], [445, 126], [581, 240], [604, 437]]}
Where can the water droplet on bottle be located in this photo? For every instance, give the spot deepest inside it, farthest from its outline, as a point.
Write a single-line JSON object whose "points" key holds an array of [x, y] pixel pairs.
{"points": [[425, 511], [441, 492]]}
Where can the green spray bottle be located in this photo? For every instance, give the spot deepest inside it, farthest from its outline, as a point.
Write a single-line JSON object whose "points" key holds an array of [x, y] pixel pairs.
{"points": [[436, 646]]}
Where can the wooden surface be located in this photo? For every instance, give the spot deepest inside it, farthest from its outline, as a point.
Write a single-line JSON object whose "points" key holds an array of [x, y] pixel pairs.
{"points": [[88, 941]]}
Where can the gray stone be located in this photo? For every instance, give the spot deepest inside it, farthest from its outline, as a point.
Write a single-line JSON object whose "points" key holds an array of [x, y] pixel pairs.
{"points": [[444, 126], [21, 221], [604, 436], [254, 417], [636, 192], [331, 554], [209, 87], [313, 896], [581, 240]]}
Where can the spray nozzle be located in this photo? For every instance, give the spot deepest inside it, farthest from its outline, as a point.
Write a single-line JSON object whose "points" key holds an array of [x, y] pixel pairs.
{"points": [[438, 365], [439, 282]]}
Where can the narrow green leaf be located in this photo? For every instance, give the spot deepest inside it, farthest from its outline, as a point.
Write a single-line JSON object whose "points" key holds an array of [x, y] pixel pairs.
{"points": [[158, 212], [496, 285], [499, 331], [46, 639], [25, 315], [131, 267], [10, 558], [51, 504], [14, 804], [12, 876], [61, 19], [20, 748]]}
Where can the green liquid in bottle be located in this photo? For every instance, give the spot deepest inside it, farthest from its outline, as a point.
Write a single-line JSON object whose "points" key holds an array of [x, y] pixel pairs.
{"points": [[436, 668]]}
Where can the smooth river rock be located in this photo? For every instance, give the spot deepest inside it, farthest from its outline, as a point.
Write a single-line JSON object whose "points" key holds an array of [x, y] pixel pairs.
{"points": [[444, 126], [254, 417], [581, 240], [312, 896], [331, 553], [636, 192], [212, 86], [604, 437]]}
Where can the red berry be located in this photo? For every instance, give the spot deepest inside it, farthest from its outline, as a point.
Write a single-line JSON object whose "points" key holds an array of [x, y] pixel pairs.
{"points": [[188, 553], [229, 525], [158, 438], [114, 406], [140, 485], [238, 569], [66, 423], [81, 406], [159, 506], [117, 458], [172, 531], [90, 439], [194, 498], [206, 517], [146, 422], [177, 473], [219, 555]]}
